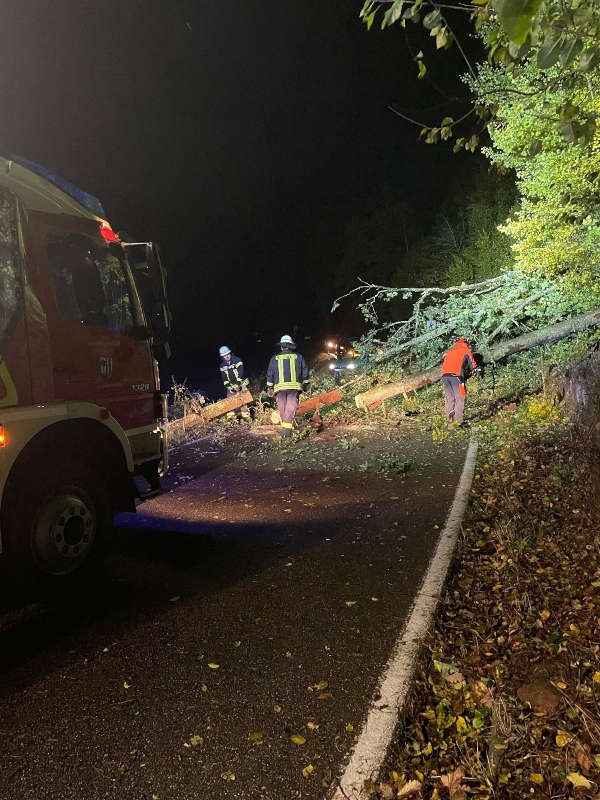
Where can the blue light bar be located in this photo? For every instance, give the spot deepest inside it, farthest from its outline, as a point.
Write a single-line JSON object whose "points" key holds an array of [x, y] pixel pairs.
{"points": [[83, 198]]}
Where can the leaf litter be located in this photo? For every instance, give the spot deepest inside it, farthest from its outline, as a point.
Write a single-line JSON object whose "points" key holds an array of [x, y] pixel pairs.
{"points": [[506, 701]]}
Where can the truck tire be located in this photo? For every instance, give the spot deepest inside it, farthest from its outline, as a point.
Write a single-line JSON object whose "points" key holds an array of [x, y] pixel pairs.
{"points": [[56, 525]]}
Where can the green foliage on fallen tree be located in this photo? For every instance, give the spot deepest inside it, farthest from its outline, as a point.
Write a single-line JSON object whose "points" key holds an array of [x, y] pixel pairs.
{"points": [[486, 312]]}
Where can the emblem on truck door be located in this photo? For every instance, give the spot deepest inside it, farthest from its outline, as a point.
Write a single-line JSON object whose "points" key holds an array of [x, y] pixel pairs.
{"points": [[106, 366]]}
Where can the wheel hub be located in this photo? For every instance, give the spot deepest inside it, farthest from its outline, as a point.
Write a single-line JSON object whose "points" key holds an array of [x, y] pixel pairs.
{"points": [[64, 533]]}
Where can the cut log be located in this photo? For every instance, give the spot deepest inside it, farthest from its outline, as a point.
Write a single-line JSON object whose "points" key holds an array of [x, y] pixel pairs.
{"points": [[374, 397], [548, 335], [315, 403], [221, 407]]}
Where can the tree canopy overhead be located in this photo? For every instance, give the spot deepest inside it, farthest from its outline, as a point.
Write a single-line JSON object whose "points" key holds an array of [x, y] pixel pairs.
{"points": [[538, 34], [538, 96]]}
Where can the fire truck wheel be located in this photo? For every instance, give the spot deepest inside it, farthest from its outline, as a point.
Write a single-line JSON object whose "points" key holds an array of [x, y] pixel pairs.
{"points": [[59, 524]]}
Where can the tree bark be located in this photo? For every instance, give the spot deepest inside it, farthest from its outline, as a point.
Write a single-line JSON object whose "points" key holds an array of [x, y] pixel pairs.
{"points": [[225, 405], [315, 403], [548, 335]]}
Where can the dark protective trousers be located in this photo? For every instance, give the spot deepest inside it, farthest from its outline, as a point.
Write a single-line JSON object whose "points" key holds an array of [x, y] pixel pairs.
{"points": [[287, 403], [237, 411], [455, 402]]}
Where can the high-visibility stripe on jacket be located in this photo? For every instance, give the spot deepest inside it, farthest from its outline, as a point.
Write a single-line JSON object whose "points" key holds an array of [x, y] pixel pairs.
{"points": [[458, 360], [232, 372], [287, 370]]}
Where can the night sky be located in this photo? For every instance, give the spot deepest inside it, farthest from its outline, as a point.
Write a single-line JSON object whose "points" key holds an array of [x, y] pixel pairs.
{"points": [[240, 136]]}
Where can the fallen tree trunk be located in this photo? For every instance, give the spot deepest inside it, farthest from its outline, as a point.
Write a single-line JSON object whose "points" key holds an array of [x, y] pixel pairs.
{"points": [[315, 403], [221, 407], [548, 335]]}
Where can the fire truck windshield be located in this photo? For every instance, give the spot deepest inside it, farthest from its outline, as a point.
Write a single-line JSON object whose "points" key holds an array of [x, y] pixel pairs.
{"points": [[93, 284]]}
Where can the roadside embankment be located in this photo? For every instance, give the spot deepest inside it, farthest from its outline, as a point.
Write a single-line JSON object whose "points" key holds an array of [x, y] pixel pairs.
{"points": [[506, 701]]}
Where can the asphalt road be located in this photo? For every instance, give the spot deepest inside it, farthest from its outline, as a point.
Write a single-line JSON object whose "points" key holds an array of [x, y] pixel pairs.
{"points": [[256, 600]]}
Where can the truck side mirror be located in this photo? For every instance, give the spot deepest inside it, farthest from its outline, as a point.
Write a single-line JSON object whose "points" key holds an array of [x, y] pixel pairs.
{"points": [[151, 281], [161, 315]]}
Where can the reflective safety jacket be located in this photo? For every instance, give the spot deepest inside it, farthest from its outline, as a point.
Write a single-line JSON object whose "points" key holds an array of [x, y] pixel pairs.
{"points": [[459, 361], [232, 372], [287, 370]]}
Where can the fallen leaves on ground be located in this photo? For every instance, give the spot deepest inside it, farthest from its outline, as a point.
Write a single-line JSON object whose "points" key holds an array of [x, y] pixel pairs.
{"points": [[409, 789], [505, 703], [453, 781], [578, 781]]}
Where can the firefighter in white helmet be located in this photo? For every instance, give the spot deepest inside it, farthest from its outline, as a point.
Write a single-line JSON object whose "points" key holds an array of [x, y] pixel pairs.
{"points": [[234, 380], [287, 376]]}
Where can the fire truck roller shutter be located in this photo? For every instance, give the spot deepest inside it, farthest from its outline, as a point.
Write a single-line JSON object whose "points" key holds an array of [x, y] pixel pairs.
{"points": [[60, 498]]}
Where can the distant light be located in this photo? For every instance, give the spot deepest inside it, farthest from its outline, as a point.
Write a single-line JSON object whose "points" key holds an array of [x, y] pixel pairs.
{"points": [[351, 366], [107, 233], [2, 436], [332, 366], [330, 344]]}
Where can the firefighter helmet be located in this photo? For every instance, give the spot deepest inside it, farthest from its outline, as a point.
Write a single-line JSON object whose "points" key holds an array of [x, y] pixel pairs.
{"points": [[224, 351], [286, 341]]}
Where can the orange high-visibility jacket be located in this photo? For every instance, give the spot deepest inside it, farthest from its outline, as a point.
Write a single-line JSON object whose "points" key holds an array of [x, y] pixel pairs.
{"points": [[458, 360]]}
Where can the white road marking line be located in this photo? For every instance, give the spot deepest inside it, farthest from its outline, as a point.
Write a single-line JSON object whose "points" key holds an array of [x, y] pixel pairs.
{"points": [[374, 740]]}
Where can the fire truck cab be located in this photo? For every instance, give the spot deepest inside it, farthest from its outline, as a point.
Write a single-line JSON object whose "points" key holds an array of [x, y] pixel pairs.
{"points": [[83, 316]]}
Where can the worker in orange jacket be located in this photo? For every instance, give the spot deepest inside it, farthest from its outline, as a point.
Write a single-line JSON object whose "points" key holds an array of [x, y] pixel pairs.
{"points": [[458, 365]]}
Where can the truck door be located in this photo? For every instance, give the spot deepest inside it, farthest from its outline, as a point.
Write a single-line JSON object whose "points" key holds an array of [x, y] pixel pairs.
{"points": [[98, 353]]}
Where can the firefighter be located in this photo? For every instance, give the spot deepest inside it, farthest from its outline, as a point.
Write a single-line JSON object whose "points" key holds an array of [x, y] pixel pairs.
{"points": [[287, 376], [458, 365], [232, 373]]}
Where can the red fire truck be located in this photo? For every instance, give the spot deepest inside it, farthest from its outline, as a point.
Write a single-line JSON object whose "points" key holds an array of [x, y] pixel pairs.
{"points": [[83, 318]]}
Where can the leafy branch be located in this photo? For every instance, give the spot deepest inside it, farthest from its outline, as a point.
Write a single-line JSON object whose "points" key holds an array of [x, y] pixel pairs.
{"points": [[484, 312]]}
